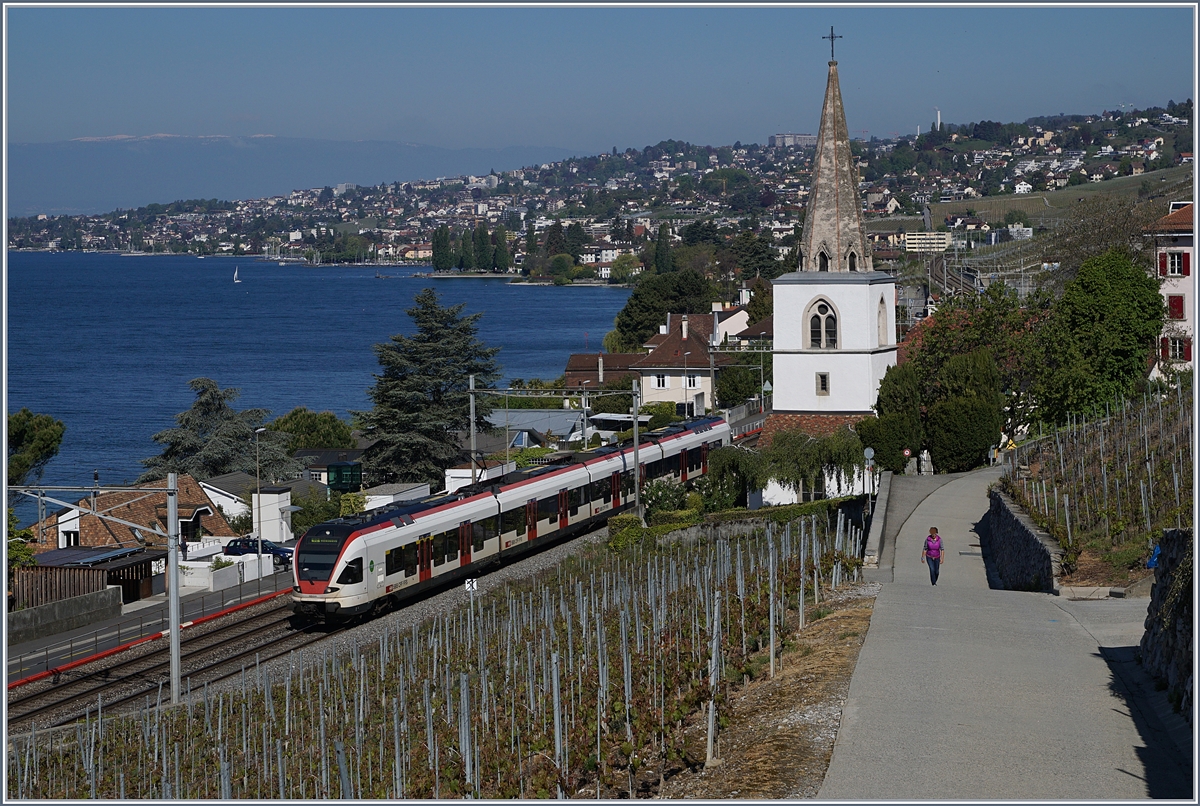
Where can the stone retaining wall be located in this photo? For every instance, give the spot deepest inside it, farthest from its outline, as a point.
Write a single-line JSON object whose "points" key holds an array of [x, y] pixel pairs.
{"points": [[1167, 643], [65, 614], [1024, 555]]}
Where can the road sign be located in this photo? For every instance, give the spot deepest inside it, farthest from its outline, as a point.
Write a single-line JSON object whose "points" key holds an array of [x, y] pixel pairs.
{"points": [[869, 453], [907, 453], [472, 585]]}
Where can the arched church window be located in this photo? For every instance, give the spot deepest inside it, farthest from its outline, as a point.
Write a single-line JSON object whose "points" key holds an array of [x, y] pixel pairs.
{"points": [[882, 324], [853, 262], [822, 327], [823, 262]]}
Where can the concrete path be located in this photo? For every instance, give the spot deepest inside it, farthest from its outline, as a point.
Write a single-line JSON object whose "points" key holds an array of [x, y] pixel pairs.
{"points": [[966, 692]]}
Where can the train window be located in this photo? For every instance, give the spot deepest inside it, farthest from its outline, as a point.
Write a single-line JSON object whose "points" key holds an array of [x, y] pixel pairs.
{"points": [[392, 561], [483, 531], [627, 483], [450, 544], [548, 508], [514, 520], [606, 491], [352, 574], [694, 462], [439, 548], [576, 498], [409, 559]]}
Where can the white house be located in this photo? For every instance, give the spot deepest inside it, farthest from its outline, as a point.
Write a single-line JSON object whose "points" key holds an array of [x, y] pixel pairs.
{"points": [[1175, 253]]}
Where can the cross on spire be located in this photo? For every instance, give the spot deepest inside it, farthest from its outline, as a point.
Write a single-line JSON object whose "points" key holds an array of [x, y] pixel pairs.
{"points": [[831, 37]]}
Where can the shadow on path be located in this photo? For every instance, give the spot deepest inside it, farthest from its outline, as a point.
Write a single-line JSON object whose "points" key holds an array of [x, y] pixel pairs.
{"points": [[1166, 766]]}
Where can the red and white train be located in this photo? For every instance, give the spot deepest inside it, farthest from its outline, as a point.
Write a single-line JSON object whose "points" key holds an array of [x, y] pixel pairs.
{"points": [[353, 565]]}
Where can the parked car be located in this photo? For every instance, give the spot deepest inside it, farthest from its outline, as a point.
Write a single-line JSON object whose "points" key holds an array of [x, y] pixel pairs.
{"points": [[280, 555]]}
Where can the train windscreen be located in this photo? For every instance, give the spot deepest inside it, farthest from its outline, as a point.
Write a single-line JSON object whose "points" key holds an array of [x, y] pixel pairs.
{"points": [[318, 550]]}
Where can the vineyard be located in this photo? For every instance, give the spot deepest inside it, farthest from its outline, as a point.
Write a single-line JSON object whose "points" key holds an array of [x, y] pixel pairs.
{"points": [[1108, 486], [567, 684]]}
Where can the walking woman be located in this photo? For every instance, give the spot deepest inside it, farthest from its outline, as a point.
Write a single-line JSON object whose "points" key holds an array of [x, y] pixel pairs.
{"points": [[932, 553]]}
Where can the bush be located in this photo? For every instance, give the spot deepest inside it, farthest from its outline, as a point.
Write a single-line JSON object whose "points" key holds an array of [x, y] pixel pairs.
{"points": [[889, 435], [619, 523], [663, 494], [676, 517], [220, 562], [960, 432]]}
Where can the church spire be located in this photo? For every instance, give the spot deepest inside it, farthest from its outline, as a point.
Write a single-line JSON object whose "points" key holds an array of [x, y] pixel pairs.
{"points": [[833, 235]]}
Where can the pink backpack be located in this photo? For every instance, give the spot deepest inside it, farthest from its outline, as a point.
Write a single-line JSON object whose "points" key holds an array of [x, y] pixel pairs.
{"points": [[933, 546]]}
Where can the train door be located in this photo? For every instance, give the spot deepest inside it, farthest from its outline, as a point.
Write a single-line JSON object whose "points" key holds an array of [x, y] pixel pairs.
{"points": [[464, 543], [531, 517], [562, 509], [425, 558], [615, 480], [704, 458], [683, 464]]}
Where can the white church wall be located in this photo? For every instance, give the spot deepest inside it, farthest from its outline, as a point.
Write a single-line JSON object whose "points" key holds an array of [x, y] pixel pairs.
{"points": [[857, 365], [777, 495]]}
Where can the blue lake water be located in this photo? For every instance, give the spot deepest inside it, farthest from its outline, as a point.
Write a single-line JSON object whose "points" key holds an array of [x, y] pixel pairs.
{"points": [[107, 343]]}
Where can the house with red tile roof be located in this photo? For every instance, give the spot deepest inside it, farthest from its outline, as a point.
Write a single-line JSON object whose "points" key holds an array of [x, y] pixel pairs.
{"points": [[198, 516]]}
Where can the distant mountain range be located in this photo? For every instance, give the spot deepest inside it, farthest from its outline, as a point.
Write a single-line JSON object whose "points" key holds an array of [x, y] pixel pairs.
{"points": [[100, 174]]}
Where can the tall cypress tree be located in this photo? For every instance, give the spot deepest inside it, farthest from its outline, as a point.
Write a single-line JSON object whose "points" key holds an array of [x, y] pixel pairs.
{"points": [[443, 253], [663, 262], [483, 247], [501, 259], [466, 251], [421, 399]]}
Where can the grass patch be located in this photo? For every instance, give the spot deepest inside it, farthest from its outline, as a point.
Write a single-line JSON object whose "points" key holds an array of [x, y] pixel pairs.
{"points": [[819, 613], [845, 635]]}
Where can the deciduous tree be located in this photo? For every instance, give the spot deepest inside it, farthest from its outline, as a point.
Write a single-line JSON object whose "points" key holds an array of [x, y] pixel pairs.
{"points": [[310, 429]]}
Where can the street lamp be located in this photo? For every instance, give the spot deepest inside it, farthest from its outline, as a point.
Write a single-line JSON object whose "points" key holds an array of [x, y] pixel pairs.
{"points": [[258, 503]]}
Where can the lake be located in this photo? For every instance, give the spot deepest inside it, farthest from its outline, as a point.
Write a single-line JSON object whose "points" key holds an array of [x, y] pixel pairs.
{"points": [[107, 343]]}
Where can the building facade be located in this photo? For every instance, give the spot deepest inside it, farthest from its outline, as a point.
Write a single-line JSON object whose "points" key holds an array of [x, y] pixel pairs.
{"points": [[1175, 253]]}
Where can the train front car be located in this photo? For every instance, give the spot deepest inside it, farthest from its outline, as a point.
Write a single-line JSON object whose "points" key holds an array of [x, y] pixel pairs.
{"points": [[323, 550]]}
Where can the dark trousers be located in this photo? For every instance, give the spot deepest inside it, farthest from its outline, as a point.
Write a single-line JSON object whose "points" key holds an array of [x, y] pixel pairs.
{"points": [[935, 564]]}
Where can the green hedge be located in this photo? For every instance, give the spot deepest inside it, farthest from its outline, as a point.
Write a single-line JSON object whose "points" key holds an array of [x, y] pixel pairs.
{"points": [[680, 517], [619, 523]]}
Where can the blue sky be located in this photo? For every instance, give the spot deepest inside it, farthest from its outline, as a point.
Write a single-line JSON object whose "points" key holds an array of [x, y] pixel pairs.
{"points": [[586, 79]]}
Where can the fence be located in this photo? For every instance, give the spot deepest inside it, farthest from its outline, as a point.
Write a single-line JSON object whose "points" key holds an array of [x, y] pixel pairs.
{"points": [[40, 585]]}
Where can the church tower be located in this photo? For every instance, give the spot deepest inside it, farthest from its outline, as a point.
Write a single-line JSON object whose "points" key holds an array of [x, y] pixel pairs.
{"points": [[835, 316]]}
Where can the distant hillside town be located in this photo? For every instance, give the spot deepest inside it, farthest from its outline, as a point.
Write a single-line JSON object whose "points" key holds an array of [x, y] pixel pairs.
{"points": [[605, 212]]}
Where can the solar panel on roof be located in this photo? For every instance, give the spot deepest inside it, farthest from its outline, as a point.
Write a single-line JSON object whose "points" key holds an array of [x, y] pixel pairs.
{"points": [[106, 556]]}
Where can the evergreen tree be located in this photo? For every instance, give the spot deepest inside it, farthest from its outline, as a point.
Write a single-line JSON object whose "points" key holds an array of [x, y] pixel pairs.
{"points": [[662, 250], [421, 402], [33, 440], [501, 259], [576, 238], [761, 303], [443, 253], [556, 240], [483, 247], [466, 250], [211, 439]]}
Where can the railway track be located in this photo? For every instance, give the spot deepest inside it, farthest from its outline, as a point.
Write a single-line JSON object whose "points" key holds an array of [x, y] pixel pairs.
{"points": [[205, 658]]}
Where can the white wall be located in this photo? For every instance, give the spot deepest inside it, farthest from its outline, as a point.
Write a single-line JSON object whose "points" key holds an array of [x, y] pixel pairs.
{"points": [[269, 518], [858, 364]]}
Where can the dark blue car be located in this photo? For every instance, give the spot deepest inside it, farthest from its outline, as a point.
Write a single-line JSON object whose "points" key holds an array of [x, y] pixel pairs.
{"points": [[281, 555]]}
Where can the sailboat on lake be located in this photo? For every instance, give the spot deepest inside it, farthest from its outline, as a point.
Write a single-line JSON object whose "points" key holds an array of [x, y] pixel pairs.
{"points": [[235, 277]]}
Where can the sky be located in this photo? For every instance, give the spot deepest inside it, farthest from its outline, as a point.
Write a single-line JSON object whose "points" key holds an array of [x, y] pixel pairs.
{"points": [[586, 79]]}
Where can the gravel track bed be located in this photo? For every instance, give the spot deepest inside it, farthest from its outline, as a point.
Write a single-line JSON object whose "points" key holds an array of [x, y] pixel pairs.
{"points": [[367, 635], [140, 656]]}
